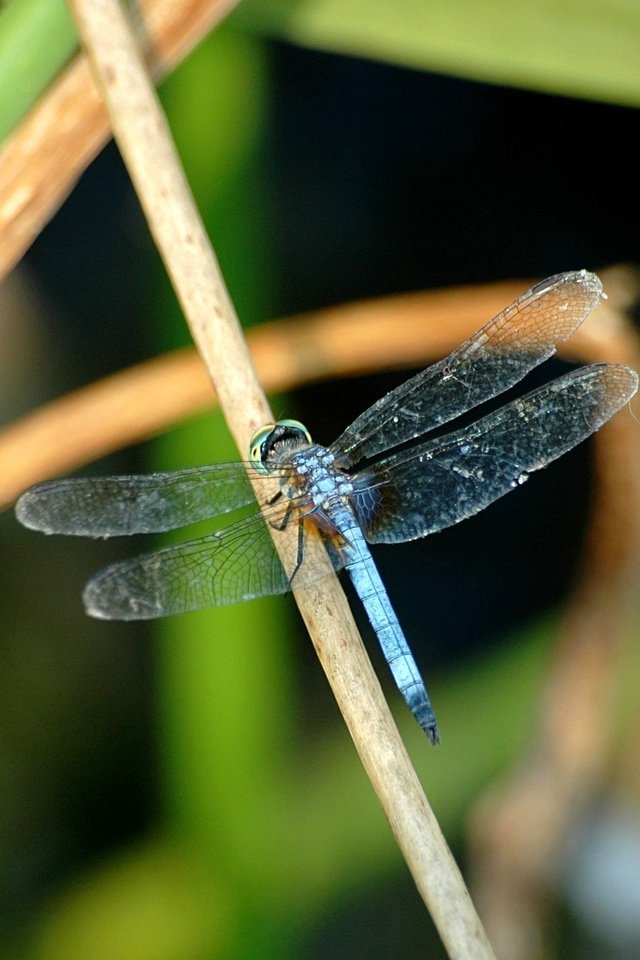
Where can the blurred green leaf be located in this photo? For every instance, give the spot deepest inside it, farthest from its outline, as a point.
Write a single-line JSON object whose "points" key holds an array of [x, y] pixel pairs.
{"points": [[37, 38], [154, 901], [588, 49]]}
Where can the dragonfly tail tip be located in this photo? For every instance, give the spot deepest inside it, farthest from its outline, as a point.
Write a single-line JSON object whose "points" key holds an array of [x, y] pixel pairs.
{"points": [[430, 726], [424, 715]]}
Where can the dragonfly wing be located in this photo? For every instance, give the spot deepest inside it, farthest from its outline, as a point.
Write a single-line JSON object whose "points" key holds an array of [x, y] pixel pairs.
{"points": [[232, 565], [492, 360], [449, 478], [152, 503]]}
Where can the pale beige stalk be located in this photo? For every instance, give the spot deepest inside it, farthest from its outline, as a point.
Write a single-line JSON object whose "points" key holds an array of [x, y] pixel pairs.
{"points": [[145, 142]]}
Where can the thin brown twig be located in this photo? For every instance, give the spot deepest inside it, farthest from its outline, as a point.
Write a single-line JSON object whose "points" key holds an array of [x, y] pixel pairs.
{"points": [[144, 140], [142, 401]]}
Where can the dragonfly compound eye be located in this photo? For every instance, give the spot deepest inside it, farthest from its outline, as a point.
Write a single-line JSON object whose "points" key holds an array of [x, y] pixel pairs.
{"points": [[294, 430], [257, 448], [272, 441]]}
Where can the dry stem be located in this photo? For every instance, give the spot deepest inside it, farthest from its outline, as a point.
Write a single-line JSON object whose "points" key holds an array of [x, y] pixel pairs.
{"points": [[145, 142]]}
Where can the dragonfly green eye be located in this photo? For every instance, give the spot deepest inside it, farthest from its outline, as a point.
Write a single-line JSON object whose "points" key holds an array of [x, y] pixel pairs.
{"points": [[265, 439], [255, 446], [290, 427]]}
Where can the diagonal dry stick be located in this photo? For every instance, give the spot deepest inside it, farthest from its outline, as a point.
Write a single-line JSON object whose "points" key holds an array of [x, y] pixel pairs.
{"points": [[145, 143]]}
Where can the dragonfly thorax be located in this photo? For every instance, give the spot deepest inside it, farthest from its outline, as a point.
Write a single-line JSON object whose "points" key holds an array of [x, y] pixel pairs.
{"points": [[313, 471]]}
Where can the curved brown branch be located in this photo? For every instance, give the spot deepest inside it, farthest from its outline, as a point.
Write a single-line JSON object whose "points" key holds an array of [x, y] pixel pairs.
{"points": [[43, 159], [142, 401]]}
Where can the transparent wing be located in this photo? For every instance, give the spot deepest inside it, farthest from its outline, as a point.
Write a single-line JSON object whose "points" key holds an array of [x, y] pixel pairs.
{"points": [[152, 503], [489, 362], [449, 478], [232, 565]]}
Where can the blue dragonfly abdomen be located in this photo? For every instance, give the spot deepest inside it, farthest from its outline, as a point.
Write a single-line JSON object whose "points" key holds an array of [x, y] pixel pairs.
{"points": [[370, 589]]}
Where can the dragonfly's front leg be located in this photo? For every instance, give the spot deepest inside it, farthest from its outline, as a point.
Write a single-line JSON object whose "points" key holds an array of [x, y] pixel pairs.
{"points": [[282, 525]]}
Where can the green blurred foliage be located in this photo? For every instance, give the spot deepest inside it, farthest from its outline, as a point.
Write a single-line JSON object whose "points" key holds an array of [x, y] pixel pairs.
{"points": [[581, 50], [260, 844], [151, 901], [36, 40]]}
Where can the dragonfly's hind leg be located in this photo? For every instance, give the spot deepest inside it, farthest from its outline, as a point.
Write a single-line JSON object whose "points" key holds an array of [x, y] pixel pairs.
{"points": [[299, 552]]}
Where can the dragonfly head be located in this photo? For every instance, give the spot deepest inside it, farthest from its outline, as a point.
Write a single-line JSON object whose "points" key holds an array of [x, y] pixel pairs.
{"points": [[269, 443]]}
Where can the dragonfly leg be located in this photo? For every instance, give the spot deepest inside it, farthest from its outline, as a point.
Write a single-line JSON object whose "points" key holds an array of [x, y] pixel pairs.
{"points": [[274, 498], [299, 552], [282, 524]]}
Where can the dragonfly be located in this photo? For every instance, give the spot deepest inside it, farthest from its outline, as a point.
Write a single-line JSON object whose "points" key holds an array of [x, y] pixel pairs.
{"points": [[386, 479]]}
